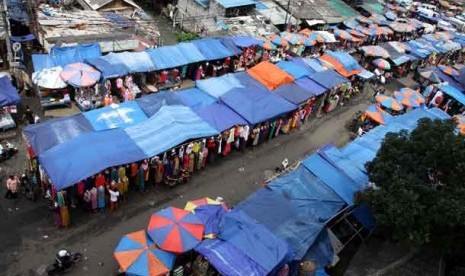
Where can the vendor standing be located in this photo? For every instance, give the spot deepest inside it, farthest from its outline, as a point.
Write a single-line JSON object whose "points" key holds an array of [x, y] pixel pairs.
{"points": [[12, 184]]}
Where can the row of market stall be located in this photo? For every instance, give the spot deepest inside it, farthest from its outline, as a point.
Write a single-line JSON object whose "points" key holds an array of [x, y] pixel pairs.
{"points": [[9, 100], [287, 220], [154, 124]]}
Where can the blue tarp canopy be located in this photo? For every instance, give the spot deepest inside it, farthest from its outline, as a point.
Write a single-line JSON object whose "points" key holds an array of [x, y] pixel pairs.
{"points": [[228, 259], [328, 78], [294, 207], [115, 116], [108, 69], [42, 61], [63, 56], [136, 62], [446, 78], [453, 92], [245, 41], [220, 117], [53, 132], [212, 48], [8, 93], [191, 52], [365, 74], [311, 86], [79, 158], [256, 105], [255, 240], [345, 59], [210, 216], [334, 156], [321, 252], [167, 57], [331, 176], [293, 69], [364, 149], [169, 127], [229, 43], [235, 3], [195, 98], [300, 61], [293, 93], [217, 87], [150, 104]]}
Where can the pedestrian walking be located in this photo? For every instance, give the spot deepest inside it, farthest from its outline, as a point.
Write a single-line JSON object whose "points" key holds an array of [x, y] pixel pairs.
{"points": [[28, 115], [12, 185]]}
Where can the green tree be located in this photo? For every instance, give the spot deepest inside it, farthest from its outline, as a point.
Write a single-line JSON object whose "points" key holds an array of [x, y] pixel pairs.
{"points": [[185, 36], [419, 191]]}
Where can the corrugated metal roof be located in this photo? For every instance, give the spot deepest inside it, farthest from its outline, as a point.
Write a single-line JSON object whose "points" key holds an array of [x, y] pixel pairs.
{"points": [[235, 3]]}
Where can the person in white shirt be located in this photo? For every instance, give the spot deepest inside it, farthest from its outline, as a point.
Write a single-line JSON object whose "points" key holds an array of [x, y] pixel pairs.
{"points": [[113, 198]]}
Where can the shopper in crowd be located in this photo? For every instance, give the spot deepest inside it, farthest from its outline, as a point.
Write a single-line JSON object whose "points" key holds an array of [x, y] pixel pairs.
{"points": [[12, 185]]}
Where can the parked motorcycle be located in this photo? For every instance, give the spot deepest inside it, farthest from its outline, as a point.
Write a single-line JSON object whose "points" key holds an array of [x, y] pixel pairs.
{"points": [[63, 262], [7, 150]]}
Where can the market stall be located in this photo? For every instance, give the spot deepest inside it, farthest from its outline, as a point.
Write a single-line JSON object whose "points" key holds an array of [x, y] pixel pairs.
{"points": [[52, 90], [9, 99]]}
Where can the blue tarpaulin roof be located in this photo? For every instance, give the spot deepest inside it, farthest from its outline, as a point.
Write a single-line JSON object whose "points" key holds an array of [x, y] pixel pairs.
{"points": [[81, 157], [294, 207], [300, 61], [167, 57], [116, 116], [150, 104], [63, 56], [53, 132], [338, 160], [293, 93], [220, 117], [228, 259], [364, 149], [169, 127], [212, 48], [293, 69], [446, 78], [332, 177], [8, 93], [311, 85], [328, 78], [345, 59], [245, 41], [195, 98], [267, 250], [256, 105], [108, 69], [136, 62], [454, 93], [235, 3], [191, 52], [210, 216], [217, 87], [321, 252], [229, 43]]}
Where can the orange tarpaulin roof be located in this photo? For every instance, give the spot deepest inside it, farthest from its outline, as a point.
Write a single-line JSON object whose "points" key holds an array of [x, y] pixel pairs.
{"points": [[338, 66], [270, 75]]}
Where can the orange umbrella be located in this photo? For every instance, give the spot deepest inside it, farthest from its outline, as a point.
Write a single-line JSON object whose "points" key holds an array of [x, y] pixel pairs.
{"points": [[389, 102], [375, 113], [306, 32]]}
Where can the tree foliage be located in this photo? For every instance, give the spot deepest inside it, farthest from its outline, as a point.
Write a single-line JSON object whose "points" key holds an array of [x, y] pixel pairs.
{"points": [[420, 186], [185, 36]]}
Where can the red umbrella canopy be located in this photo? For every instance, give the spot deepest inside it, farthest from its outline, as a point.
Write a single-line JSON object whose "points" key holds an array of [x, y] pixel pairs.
{"points": [[80, 74], [175, 230]]}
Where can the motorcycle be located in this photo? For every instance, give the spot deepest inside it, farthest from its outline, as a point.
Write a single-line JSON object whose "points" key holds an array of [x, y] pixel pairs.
{"points": [[7, 150], [56, 269]]}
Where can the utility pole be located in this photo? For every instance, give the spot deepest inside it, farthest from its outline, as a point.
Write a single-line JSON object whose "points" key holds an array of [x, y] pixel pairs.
{"points": [[287, 12], [7, 32]]}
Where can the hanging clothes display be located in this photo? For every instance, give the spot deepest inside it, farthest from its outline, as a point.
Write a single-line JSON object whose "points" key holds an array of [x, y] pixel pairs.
{"points": [[159, 172], [101, 197]]}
